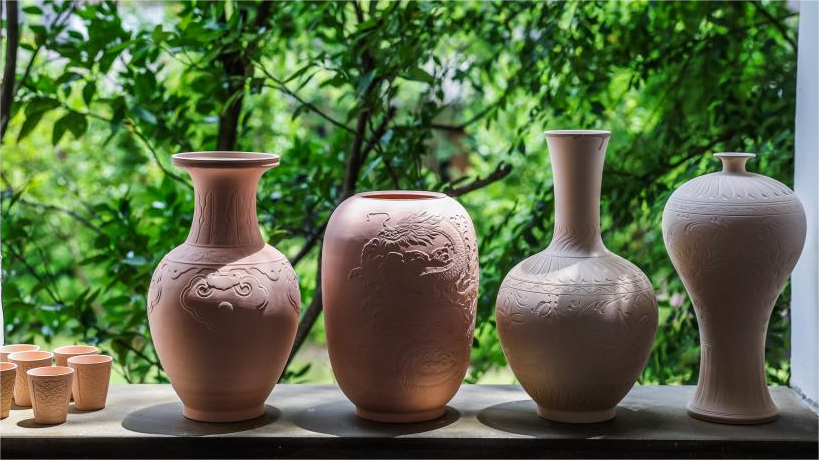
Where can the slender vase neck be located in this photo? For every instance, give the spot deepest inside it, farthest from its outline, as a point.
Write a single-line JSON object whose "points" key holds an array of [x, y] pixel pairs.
{"points": [[225, 208], [577, 171]]}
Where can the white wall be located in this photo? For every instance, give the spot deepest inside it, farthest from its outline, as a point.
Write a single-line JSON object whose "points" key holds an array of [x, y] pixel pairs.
{"points": [[805, 288]]}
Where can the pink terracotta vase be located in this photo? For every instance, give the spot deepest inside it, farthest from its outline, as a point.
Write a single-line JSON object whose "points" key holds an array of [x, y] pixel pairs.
{"points": [[734, 237], [399, 282], [223, 307], [576, 322]]}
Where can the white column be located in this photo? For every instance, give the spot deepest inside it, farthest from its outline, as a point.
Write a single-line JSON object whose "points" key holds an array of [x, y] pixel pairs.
{"points": [[805, 279]]}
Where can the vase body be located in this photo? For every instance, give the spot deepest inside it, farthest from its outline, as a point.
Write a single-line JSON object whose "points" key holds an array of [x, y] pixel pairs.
{"points": [[224, 306], [576, 322], [399, 281], [734, 237]]}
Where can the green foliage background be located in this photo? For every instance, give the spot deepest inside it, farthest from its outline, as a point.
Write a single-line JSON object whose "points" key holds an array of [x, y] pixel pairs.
{"points": [[365, 96]]}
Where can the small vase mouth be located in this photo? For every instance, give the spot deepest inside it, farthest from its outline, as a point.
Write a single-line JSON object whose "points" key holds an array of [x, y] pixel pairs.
{"points": [[577, 132], [734, 155], [225, 159], [402, 195]]}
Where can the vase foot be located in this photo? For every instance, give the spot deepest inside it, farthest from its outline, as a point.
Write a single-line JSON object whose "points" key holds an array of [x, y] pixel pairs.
{"points": [[577, 416], [400, 417], [223, 416], [731, 419]]}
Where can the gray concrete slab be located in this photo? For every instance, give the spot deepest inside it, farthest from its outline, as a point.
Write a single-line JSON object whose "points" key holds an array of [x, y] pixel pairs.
{"points": [[496, 421]]}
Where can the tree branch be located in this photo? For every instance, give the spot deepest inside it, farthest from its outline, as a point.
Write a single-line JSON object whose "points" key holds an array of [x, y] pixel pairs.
{"points": [[378, 133], [57, 24], [50, 207], [237, 67], [280, 86], [19, 256], [461, 127], [501, 171], [777, 24], [10, 69], [309, 244], [309, 318], [355, 159], [135, 130]]}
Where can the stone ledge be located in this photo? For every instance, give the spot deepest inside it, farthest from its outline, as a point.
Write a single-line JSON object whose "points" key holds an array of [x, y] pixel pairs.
{"points": [[482, 421]]}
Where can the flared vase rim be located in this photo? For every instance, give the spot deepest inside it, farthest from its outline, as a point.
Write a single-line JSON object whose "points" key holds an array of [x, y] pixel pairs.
{"points": [[401, 195], [225, 159], [577, 132], [735, 155]]}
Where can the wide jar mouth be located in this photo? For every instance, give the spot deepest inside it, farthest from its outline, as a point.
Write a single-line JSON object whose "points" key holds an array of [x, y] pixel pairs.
{"points": [[577, 132], [402, 195], [225, 159]]}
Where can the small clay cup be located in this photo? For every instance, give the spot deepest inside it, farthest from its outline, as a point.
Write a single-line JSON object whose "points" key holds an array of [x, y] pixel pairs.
{"points": [[8, 372], [25, 361], [91, 377], [50, 389], [6, 350], [62, 354]]}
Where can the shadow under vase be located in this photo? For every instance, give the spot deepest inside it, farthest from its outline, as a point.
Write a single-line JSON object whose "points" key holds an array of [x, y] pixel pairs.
{"points": [[521, 417], [167, 419], [339, 419]]}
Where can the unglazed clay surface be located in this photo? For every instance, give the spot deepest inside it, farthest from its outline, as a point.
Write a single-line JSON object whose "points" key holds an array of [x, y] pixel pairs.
{"points": [[224, 306], [400, 285], [6, 350], [50, 392], [8, 373], [25, 361], [576, 321], [734, 237], [90, 385]]}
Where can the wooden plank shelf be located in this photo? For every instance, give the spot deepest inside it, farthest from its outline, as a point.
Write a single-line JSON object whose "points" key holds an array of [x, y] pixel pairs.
{"points": [[482, 421]]}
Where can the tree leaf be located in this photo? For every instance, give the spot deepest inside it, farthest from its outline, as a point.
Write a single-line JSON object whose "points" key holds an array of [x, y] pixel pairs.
{"points": [[418, 74], [88, 92]]}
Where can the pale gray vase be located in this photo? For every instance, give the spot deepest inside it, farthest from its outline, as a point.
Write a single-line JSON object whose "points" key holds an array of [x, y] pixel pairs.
{"points": [[734, 238], [576, 321]]}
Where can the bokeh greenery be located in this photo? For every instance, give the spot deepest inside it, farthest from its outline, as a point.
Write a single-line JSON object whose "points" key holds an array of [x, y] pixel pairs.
{"points": [[362, 96]]}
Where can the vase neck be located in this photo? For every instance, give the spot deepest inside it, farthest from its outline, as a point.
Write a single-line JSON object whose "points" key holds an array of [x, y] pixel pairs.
{"points": [[577, 172], [225, 207], [734, 162]]}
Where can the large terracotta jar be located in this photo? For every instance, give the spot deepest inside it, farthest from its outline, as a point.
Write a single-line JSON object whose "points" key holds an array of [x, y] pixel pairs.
{"points": [[734, 238], [399, 281], [576, 322], [223, 307]]}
